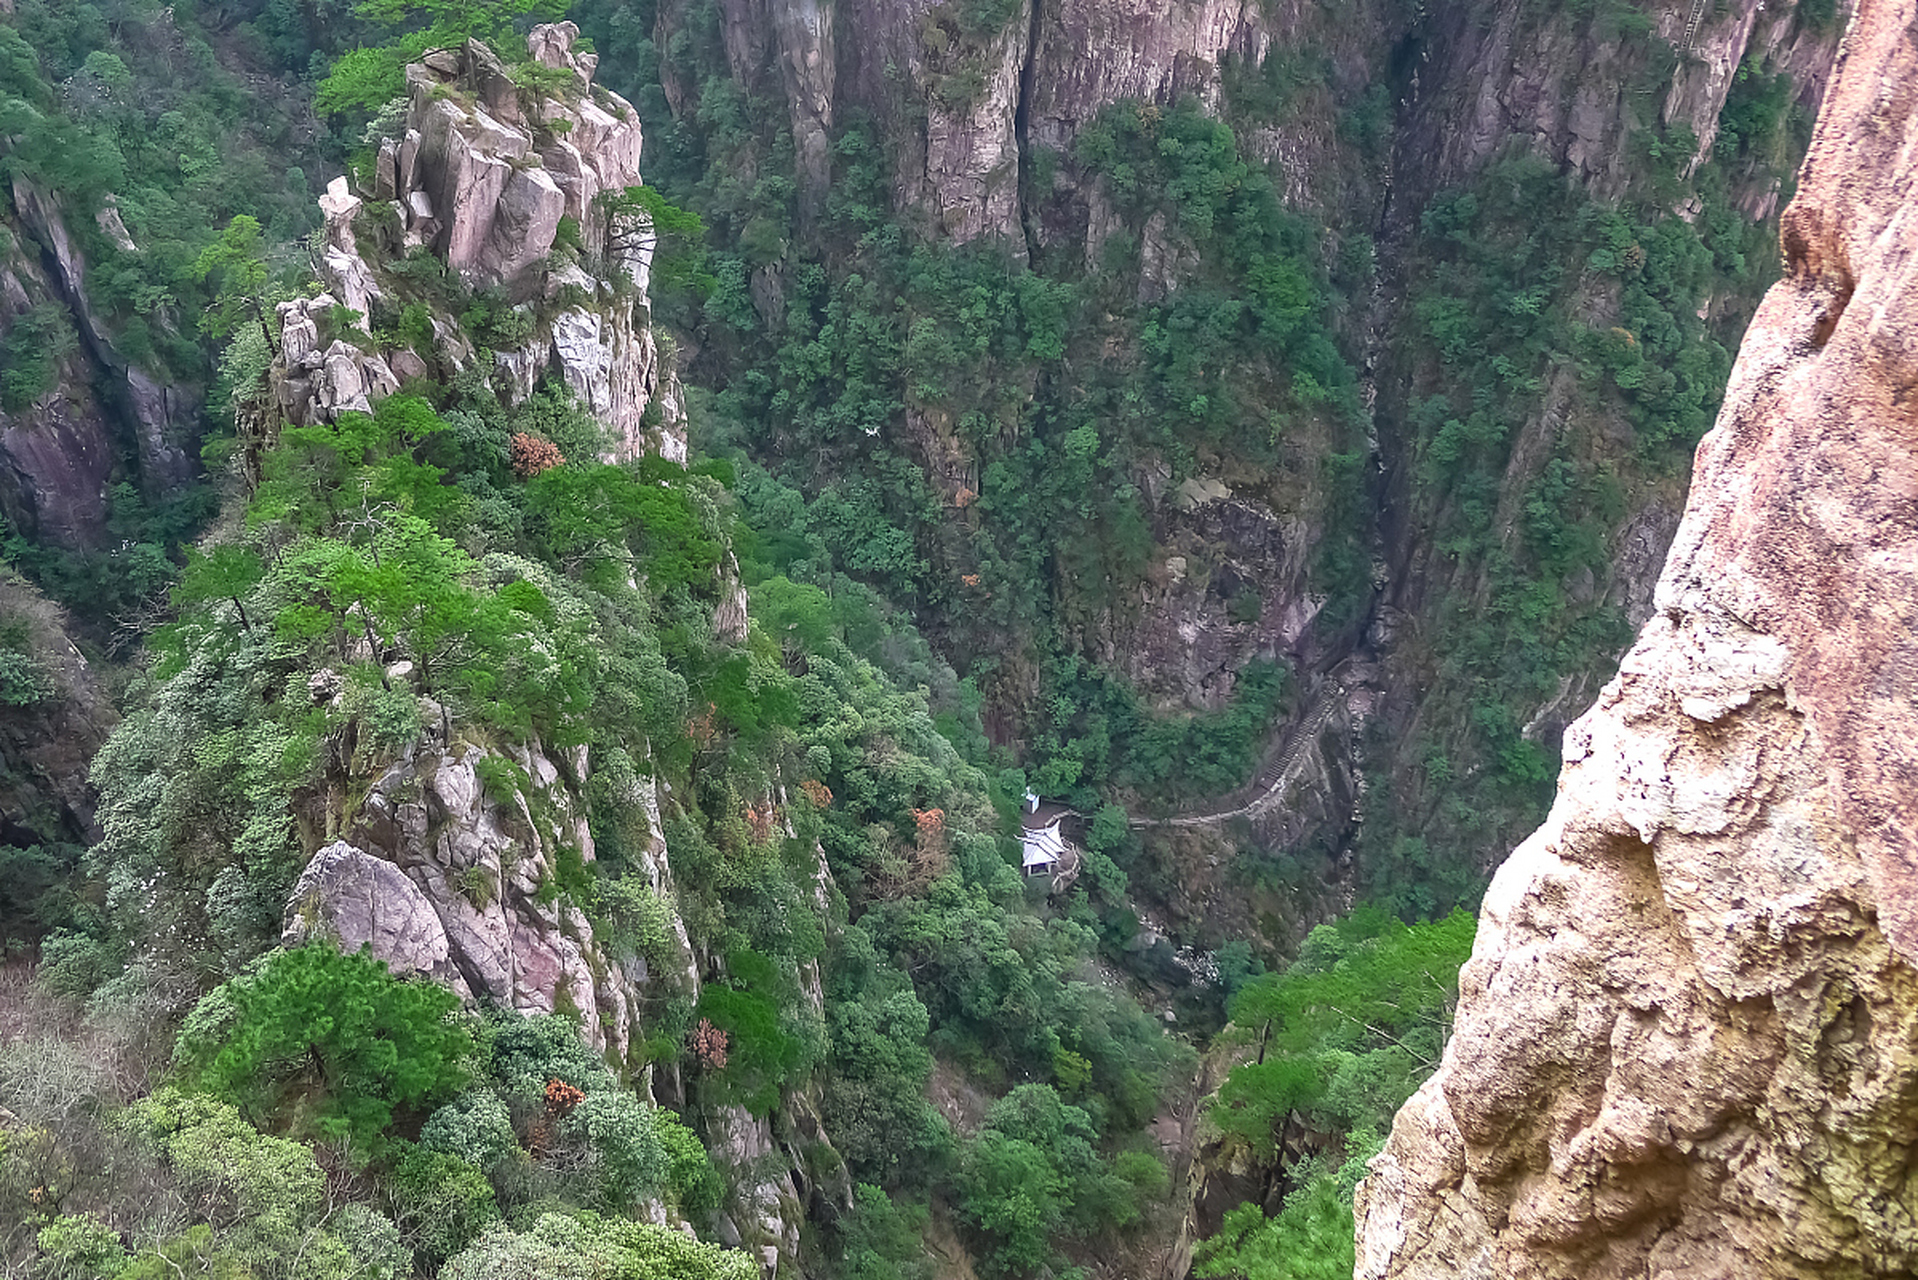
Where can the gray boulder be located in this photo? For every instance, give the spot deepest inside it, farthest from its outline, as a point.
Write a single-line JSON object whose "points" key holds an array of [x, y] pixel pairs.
{"points": [[353, 899]]}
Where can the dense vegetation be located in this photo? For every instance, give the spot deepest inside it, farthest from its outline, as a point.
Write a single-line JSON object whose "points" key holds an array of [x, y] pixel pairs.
{"points": [[1066, 374], [512, 1117], [171, 119], [1344, 1036], [573, 607], [1050, 379], [567, 603]]}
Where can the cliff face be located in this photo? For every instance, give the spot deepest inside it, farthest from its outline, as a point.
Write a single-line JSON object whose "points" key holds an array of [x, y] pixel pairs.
{"points": [[970, 92], [443, 876], [1683, 1044], [94, 416], [54, 714], [1362, 116]]}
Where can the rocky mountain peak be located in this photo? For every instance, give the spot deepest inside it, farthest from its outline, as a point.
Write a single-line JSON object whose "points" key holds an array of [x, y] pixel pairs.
{"points": [[486, 169], [499, 174]]}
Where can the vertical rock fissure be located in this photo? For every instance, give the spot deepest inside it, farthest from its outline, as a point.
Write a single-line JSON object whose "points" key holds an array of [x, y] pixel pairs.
{"points": [[1022, 130]]}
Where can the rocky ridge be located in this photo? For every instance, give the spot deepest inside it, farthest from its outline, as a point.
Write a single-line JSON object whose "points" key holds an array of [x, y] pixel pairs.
{"points": [[446, 861], [1683, 1044], [502, 183], [448, 868]]}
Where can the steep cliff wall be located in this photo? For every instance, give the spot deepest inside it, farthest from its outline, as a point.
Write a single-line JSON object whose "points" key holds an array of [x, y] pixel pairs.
{"points": [[54, 714], [1683, 1045], [77, 414], [1501, 206]]}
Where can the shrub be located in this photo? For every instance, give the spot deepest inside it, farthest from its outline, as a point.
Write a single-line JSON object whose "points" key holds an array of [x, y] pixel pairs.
{"points": [[689, 1170], [440, 1203], [374, 1243], [559, 1247], [78, 1247], [476, 1129], [528, 1052], [265, 1193], [340, 1036], [229, 1168], [626, 1158], [532, 455]]}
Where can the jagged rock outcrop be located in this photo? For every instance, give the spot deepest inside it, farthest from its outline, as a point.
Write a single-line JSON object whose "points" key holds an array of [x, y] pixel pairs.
{"points": [[503, 184], [1684, 1044], [354, 900], [444, 873]]}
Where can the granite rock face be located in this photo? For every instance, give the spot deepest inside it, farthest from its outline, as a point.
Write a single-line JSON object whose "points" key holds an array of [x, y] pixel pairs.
{"points": [[485, 175], [443, 876], [60, 452], [51, 729], [353, 900], [1684, 1044], [495, 173]]}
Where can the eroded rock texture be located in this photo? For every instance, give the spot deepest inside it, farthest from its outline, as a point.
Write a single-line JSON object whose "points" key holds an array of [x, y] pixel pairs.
{"points": [[441, 875], [98, 417], [482, 175], [1687, 1042]]}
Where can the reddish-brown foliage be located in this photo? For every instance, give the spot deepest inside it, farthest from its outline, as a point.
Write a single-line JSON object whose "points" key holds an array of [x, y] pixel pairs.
{"points": [[709, 1045], [704, 727], [759, 820], [532, 455], [561, 1097]]}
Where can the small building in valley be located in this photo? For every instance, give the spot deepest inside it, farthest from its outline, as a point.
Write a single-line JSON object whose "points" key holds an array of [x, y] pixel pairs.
{"points": [[1043, 843]]}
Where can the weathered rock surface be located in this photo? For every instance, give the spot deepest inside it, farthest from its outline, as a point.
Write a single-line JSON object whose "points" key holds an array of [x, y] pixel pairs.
{"points": [[1574, 90], [56, 454], [59, 454], [444, 878], [482, 176], [47, 742], [1684, 1045], [352, 899], [316, 383], [496, 182]]}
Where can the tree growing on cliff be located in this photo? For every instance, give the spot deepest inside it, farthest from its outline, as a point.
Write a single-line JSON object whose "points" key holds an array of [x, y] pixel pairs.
{"points": [[224, 573], [365, 79], [639, 218], [1346, 1034], [332, 1035], [236, 264]]}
